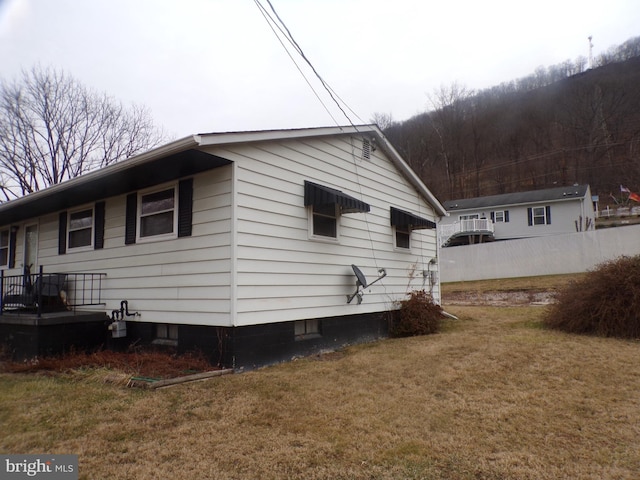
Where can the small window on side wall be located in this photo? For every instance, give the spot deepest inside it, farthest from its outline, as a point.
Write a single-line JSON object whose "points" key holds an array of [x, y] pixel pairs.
{"points": [[324, 221], [403, 236]]}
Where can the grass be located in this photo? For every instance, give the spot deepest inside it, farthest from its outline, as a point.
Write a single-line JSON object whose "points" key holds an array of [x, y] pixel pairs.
{"points": [[493, 396], [539, 283]]}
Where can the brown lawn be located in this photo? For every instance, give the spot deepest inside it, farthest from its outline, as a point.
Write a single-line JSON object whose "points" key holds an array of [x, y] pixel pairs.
{"points": [[494, 396]]}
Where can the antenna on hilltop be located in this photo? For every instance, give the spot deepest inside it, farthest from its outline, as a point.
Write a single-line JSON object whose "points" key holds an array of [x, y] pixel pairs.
{"points": [[590, 65]]}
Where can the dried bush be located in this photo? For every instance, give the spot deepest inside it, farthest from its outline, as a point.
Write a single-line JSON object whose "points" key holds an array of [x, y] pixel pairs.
{"points": [[417, 315], [605, 302]]}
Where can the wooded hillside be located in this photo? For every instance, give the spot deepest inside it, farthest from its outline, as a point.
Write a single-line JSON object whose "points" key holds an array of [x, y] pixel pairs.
{"points": [[561, 125]]}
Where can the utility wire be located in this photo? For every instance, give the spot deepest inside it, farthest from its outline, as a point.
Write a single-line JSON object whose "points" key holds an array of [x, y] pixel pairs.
{"points": [[271, 24], [332, 94]]}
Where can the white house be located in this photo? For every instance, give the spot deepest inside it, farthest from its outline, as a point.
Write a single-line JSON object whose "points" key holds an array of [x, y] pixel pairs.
{"points": [[239, 244], [536, 213]]}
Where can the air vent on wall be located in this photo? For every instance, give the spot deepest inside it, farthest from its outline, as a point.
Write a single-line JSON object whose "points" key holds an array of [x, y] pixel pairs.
{"points": [[366, 149]]}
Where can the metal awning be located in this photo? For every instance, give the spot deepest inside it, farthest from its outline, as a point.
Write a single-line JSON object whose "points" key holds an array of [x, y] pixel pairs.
{"points": [[400, 218], [318, 195]]}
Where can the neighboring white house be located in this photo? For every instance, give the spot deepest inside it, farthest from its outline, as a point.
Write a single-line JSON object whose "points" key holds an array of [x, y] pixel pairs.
{"points": [[239, 244], [536, 213]]}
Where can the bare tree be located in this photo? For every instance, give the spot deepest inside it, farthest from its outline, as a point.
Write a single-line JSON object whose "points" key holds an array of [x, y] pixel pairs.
{"points": [[383, 120], [52, 128]]}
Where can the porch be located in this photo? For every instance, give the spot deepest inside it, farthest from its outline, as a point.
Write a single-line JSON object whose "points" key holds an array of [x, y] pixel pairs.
{"points": [[466, 232], [51, 313]]}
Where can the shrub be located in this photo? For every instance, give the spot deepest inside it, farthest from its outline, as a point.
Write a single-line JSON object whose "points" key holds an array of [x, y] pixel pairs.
{"points": [[417, 315], [605, 302]]}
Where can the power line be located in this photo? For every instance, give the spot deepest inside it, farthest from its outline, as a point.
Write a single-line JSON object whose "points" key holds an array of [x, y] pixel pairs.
{"points": [[287, 34], [271, 24]]}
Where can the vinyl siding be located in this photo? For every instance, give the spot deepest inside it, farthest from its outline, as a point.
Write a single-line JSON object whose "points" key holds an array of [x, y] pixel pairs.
{"points": [[183, 280], [250, 259], [284, 275]]}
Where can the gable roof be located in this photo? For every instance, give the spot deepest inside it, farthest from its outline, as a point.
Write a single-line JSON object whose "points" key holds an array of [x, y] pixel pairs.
{"points": [[518, 198], [178, 159]]}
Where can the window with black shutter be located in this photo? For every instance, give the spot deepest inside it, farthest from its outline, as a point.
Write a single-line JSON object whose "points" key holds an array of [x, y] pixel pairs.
{"points": [[164, 212], [539, 216]]}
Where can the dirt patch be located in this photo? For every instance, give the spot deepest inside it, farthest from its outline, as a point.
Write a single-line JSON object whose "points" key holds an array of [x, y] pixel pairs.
{"points": [[499, 298], [147, 364]]}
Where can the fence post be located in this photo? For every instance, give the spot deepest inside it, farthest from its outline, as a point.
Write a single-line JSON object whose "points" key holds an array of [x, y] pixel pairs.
{"points": [[39, 292]]}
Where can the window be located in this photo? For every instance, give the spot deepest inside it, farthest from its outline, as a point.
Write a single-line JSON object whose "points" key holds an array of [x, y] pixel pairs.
{"points": [[80, 228], [324, 221], [4, 248], [326, 205], [404, 223], [306, 328], [165, 212], [166, 334], [473, 216], [157, 213], [403, 236], [500, 216], [539, 215]]}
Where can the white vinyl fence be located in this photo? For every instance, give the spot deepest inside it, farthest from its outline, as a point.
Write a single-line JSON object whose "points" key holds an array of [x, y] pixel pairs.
{"points": [[528, 257]]}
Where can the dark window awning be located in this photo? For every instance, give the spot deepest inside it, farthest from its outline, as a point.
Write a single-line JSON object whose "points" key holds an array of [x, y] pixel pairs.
{"points": [[318, 195], [400, 218]]}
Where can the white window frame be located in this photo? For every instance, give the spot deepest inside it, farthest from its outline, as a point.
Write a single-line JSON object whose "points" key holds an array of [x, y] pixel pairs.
{"points": [[496, 214], [140, 216], [324, 238], [70, 230], [534, 216], [5, 247], [399, 230]]}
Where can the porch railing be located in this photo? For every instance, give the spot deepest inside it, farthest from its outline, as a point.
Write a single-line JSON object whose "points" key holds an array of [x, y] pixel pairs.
{"points": [[45, 292], [465, 226]]}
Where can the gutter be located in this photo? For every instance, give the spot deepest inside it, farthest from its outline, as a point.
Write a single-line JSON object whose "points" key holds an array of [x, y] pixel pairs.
{"points": [[164, 150]]}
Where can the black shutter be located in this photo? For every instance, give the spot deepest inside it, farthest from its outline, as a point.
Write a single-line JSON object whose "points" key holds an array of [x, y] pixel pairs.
{"points": [[493, 217], [548, 214], [62, 233], [506, 215], [185, 207], [131, 219], [99, 226], [530, 215], [12, 247]]}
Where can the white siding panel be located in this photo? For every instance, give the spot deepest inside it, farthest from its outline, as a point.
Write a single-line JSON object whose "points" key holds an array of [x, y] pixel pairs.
{"points": [[284, 275], [182, 280]]}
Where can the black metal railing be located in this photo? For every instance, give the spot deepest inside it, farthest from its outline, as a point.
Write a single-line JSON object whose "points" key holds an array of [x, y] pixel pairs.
{"points": [[49, 292]]}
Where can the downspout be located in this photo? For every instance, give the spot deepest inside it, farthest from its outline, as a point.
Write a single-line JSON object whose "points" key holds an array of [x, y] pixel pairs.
{"points": [[233, 248]]}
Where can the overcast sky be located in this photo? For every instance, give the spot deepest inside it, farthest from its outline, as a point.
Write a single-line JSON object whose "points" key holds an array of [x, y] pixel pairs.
{"points": [[215, 65]]}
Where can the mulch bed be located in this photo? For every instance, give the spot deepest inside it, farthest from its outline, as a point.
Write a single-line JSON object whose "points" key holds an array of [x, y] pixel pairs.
{"points": [[148, 364]]}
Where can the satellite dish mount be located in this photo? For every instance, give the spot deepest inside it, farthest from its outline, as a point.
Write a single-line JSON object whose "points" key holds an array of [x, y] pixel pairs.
{"points": [[361, 283]]}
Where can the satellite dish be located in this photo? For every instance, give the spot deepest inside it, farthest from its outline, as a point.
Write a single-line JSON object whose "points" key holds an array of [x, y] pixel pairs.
{"points": [[361, 283]]}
